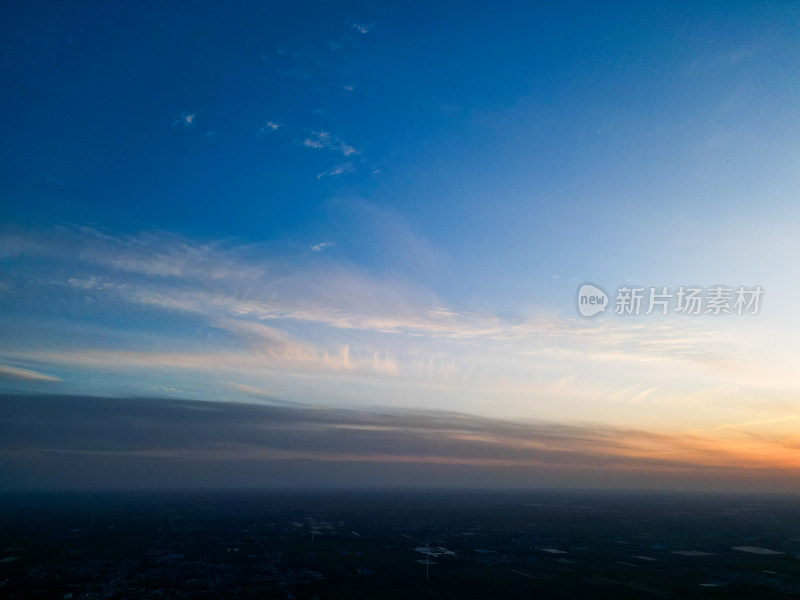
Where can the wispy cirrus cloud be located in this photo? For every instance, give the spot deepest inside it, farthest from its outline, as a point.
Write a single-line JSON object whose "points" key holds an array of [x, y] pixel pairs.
{"points": [[268, 127], [219, 278], [318, 140], [241, 311], [299, 358], [9, 372], [337, 170], [151, 254], [325, 140]]}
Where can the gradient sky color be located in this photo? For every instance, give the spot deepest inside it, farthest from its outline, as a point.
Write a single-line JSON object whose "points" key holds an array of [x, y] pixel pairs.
{"points": [[382, 207]]}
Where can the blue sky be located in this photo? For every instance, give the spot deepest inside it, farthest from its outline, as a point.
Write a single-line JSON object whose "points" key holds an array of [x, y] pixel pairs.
{"points": [[392, 205], [562, 129]]}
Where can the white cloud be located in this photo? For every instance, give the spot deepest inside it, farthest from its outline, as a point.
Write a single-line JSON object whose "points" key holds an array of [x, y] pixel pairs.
{"points": [[186, 119], [325, 140], [9, 372], [346, 149], [337, 170], [318, 139], [267, 317], [290, 357], [268, 127]]}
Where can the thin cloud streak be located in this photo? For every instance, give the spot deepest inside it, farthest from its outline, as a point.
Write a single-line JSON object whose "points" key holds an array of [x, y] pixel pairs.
{"points": [[337, 170], [9, 372]]}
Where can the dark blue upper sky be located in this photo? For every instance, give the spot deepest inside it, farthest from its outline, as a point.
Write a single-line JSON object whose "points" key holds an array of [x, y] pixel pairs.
{"points": [[455, 113]]}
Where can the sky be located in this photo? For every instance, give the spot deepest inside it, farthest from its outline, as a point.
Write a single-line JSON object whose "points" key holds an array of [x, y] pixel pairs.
{"points": [[342, 243]]}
